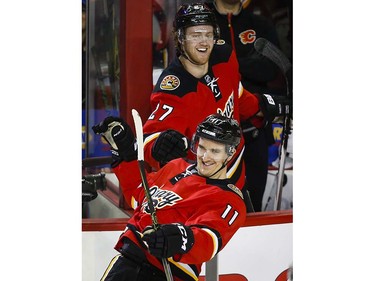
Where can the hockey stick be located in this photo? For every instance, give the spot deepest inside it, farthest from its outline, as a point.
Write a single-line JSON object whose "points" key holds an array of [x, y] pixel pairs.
{"points": [[139, 134], [270, 51]]}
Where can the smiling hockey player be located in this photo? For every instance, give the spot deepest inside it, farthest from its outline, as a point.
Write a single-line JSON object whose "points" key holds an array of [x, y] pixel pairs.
{"points": [[198, 207], [203, 79]]}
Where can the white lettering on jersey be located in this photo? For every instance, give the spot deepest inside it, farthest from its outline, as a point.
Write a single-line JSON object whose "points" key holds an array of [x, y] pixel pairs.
{"points": [[184, 237], [229, 107], [211, 82], [269, 99], [160, 198]]}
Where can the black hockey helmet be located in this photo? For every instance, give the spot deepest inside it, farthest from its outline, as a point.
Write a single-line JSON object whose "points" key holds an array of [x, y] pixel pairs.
{"points": [[194, 14], [220, 129], [191, 15]]}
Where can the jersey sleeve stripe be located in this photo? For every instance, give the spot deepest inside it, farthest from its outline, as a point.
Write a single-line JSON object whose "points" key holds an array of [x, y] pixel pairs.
{"points": [[215, 241], [240, 89], [235, 165], [115, 258], [151, 138], [133, 203], [185, 268]]}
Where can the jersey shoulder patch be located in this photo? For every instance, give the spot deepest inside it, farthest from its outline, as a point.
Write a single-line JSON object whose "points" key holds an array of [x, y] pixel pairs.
{"points": [[235, 189], [226, 185], [170, 83], [220, 42], [175, 80]]}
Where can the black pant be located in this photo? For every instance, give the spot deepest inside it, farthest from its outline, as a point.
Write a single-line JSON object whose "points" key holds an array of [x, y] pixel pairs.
{"points": [[256, 164], [132, 265]]}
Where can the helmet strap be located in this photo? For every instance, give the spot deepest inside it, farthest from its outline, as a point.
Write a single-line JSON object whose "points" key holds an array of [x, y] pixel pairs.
{"points": [[187, 57], [222, 167]]}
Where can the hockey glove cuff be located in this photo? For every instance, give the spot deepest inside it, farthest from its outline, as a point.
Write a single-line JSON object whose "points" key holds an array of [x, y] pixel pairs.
{"points": [[273, 106], [119, 136], [169, 240], [169, 145]]}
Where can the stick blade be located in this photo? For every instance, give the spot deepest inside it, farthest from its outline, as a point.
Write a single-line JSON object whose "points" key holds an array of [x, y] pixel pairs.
{"points": [[259, 44], [273, 53], [139, 133], [269, 50]]}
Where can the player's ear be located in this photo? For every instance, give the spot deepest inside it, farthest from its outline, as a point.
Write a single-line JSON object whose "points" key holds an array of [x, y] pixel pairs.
{"points": [[180, 36], [231, 152]]}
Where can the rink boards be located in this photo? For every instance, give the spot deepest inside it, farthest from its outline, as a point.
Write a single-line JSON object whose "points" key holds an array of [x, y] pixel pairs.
{"points": [[260, 251]]}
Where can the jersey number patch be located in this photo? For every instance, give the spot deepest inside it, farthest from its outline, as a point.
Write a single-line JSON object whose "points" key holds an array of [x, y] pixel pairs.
{"points": [[233, 215], [168, 110]]}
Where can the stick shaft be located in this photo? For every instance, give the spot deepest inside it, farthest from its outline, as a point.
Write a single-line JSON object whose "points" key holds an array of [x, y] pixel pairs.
{"points": [[270, 51], [139, 133], [148, 194]]}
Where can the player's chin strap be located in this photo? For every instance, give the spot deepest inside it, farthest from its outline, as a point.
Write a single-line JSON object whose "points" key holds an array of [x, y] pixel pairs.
{"points": [[188, 58], [222, 167], [230, 152]]}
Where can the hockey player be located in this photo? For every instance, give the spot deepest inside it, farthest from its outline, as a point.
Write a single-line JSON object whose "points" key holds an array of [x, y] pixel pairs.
{"points": [[197, 207], [203, 79], [240, 27]]}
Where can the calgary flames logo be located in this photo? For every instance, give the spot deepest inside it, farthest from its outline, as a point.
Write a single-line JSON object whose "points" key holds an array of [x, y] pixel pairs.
{"points": [[247, 36]]}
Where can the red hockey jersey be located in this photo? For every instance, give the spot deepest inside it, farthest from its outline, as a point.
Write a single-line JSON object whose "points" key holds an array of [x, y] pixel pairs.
{"points": [[180, 102], [214, 209]]}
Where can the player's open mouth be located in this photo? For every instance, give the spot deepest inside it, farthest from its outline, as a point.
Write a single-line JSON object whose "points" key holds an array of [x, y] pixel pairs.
{"points": [[202, 50], [207, 163]]}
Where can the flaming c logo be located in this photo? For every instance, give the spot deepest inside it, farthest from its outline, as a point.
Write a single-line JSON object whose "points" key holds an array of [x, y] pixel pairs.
{"points": [[247, 36]]}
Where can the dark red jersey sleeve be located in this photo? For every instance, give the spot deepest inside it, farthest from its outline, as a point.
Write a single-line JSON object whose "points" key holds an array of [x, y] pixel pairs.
{"points": [[249, 105], [213, 224], [248, 102], [168, 114], [130, 179]]}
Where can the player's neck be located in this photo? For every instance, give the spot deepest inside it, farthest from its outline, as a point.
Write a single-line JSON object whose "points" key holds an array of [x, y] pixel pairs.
{"points": [[198, 71], [221, 175], [225, 8]]}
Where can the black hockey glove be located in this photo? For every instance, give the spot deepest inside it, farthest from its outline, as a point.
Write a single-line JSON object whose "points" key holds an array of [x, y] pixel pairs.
{"points": [[120, 137], [169, 145], [169, 240], [273, 106]]}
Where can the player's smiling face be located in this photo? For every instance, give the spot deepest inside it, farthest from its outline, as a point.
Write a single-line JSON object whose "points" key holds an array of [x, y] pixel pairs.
{"points": [[198, 43], [210, 158]]}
